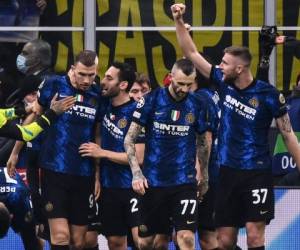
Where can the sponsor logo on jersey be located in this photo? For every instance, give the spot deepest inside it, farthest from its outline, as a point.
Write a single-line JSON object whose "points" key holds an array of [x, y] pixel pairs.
{"points": [[175, 114], [83, 111], [239, 108], [167, 129], [122, 123], [112, 128]]}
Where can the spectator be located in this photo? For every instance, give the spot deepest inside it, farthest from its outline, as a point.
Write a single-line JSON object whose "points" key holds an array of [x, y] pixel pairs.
{"points": [[34, 62]]}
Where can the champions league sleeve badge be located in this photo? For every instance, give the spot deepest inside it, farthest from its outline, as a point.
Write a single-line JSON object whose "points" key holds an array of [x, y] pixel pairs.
{"points": [[281, 99], [141, 103]]}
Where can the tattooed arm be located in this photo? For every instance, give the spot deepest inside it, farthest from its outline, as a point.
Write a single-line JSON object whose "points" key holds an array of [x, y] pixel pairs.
{"points": [[289, 137], [204, 142], [139, 182]]}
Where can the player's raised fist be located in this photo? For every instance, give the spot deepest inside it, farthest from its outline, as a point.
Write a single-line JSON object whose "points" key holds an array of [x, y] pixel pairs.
{"points": [[178, 10]]}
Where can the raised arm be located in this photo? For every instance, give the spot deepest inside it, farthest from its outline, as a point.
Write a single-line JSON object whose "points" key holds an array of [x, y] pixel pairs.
{"points": [[139, 182], [289, 137], [186, 43]]}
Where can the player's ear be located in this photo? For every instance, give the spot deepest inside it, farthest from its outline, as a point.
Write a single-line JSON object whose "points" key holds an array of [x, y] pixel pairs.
{"points": [[123, 85], [239, 69]]}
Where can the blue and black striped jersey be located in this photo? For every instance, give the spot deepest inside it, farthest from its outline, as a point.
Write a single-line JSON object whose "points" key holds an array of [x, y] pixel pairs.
{"points": [[15, 195], [171, 129], [59, 151], [114, 126], [246, 118]]}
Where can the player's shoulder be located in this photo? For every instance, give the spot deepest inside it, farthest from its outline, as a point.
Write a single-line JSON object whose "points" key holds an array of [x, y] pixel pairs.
{"points": [[266, 87], [150, 97], [52, 80], [199, 97]]}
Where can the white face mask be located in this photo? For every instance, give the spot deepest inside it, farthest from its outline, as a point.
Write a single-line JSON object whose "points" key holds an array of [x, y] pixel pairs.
{"points": [[21, 64]]}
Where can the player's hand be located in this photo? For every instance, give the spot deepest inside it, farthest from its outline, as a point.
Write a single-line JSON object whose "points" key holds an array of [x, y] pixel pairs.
{"points": [[280, 39], [29, 107], [41, 4], [91, 149], [97, 190], [11, 164], [178, 10], [202, 188], [139, 182], [188, 27], [62, 105]]}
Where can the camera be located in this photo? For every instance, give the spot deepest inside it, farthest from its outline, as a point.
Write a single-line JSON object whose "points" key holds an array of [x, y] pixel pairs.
{"points": [[267, 35], [267, 39]]}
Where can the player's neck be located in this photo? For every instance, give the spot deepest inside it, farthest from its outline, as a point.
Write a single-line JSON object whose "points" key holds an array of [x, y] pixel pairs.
{"points": [[174, 95], [120, 99], [244, 80]]}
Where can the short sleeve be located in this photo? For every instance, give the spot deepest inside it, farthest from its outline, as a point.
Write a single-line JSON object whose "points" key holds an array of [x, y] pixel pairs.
{"points": [[204, 120], [143, 109], [277, 103], [46, 93]]}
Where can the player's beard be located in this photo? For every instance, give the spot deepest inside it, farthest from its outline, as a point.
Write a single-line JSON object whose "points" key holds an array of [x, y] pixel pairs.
{"points": [[229, 79], [112, 92]]}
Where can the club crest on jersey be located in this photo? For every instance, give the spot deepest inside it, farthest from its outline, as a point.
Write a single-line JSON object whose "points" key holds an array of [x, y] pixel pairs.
{"points": [[141, 103], [254, 102], [281, 99], [93, 101], [79, 98], [49, 206], [190, 118], [28, 217], [122, 123], [143, 228], [175, 114]]}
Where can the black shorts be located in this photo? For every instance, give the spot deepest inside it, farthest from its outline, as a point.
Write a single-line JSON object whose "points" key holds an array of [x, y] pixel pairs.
{"points": [[244, 196], [206, 210], [119, 210], [94, 215], [165, 207], [67, 196]]}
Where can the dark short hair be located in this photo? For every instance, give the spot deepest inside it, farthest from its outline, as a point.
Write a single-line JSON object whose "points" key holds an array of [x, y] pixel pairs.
{"points": [[4, 221], [142, 78], [43, 51], [185, 65], [86, 57], [241, 52], [126, 73]]}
